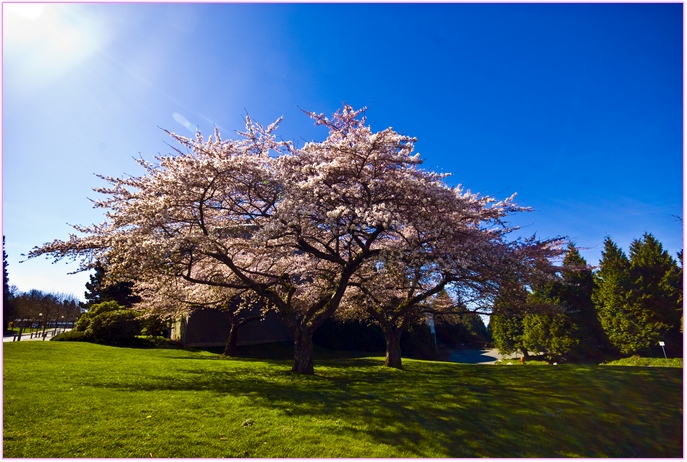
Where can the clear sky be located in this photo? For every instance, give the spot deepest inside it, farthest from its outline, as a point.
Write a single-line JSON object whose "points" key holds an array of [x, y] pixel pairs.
{"points": [[577, 107]]}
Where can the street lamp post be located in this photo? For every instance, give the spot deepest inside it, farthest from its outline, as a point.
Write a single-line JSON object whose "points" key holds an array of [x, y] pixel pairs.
{"points": [[44, 324]]}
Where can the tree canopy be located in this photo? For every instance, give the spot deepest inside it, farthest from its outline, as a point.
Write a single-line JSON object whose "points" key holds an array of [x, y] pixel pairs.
{"points": [[297, 226]]}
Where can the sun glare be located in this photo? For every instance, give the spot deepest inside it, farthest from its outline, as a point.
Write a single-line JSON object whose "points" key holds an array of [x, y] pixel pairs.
{"points": [[43, 41], [29, 11]]}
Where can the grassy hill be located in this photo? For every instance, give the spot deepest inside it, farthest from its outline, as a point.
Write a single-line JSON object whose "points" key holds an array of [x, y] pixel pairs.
{"points": [[64, 399]]}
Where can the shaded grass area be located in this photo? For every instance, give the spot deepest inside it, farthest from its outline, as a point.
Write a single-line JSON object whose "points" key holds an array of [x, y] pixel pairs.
{"points": [[66, 399]]}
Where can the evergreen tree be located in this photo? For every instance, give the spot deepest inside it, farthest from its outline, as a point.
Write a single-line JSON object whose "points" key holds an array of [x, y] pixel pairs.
{"points": [[8, 309], [506, 322], [457, 330], [656, 290], [507, 332], [555, 334], [565, 324], [553, 330], [98, 290], [611, 284], [575, 296], [638, 300]]}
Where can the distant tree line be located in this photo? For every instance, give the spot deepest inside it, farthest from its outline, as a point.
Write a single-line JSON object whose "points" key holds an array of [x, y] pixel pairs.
{"points": [[627, 306], [35, 308]]}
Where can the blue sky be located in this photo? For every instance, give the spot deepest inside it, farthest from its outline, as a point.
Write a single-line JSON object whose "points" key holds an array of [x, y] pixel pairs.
{"points": [[576, 107]]}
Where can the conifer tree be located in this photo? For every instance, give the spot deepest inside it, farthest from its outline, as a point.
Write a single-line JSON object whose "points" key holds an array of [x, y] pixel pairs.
{"points": [[553, 330], [656, 289], [8, 310], [638, 298], [576, 297], [506, 323], [554, 334], [98, 290], [610, 297], [566, 324]]}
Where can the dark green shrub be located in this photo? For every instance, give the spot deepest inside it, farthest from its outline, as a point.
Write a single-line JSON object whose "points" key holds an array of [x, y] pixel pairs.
{"points": [[154, 326], [349, 336], [418, 342], [105, 307], [72, 336], [462, 330], [115, 327]]}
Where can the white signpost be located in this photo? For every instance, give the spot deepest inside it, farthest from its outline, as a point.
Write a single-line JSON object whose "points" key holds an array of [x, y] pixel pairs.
{"points": [[663, 345]]}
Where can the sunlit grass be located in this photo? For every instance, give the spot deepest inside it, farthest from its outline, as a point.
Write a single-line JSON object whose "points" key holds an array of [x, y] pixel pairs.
{"points": [[84, 400], [647, 362]]}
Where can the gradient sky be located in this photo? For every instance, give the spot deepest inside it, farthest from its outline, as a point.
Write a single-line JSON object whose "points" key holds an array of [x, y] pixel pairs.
{"points": [[576, 107]]}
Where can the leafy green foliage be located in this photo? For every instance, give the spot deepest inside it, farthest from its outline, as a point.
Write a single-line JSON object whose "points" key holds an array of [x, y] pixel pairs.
{"points": [[639, 299], [457, 330], [554, 334], [84, 321], [8, 306], [571, 330], [506, 324], [154, 326], [72, 336], [656, 288], [115, 327], [418, 341], [99, 290]]}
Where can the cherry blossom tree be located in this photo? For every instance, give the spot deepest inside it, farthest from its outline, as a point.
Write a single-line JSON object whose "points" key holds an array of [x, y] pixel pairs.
{"points": [[461, 251], [291, 226]]}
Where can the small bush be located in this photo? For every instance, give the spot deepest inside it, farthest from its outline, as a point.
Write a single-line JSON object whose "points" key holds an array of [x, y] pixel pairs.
{"points": [[72, 336], [115, 327], [154, 326], [99, 308]]}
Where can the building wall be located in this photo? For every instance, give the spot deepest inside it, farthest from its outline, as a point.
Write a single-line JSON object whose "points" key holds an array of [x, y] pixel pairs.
{"points": [[209, 328]]}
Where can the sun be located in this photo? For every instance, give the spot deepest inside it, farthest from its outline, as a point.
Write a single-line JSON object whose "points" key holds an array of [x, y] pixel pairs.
{"points": [[30, 11], [42, 41]]}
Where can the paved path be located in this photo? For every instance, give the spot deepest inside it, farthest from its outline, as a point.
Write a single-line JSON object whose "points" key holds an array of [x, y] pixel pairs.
{"points": [[27, 337], [476, 356]]}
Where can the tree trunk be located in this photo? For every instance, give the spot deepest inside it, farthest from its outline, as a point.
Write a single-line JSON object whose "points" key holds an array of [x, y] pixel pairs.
{"points": [[303, 352], [393, 347], [235, 323], [230, 347]]}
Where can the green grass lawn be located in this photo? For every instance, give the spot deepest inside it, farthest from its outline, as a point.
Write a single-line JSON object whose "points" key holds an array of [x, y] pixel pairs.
{"points": [[69, 399], [647, 362]]}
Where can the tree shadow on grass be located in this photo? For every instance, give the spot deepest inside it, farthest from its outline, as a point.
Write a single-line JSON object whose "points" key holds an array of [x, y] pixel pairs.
{"points": [[431, 409]]}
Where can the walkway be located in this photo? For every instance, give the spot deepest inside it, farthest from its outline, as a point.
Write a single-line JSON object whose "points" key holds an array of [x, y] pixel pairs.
{"points": [[477, 356], [29, 337]]}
